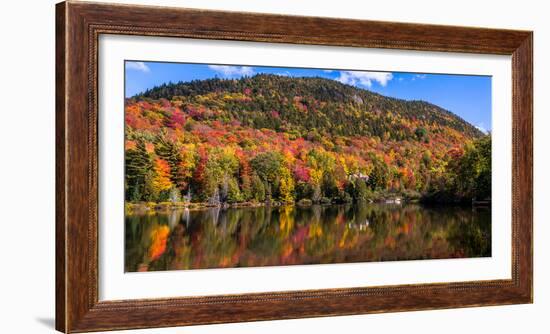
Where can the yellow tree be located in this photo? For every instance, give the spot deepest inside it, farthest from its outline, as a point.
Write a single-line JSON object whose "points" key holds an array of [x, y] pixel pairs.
{"points": [[286, 185], [161, 180]]}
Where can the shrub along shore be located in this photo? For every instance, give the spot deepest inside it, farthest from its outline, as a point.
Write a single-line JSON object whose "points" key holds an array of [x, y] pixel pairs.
{"points": [[378, 197]]}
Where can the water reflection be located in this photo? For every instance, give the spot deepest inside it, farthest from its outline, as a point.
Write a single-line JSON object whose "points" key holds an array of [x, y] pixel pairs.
{"points": [[270, 236]]}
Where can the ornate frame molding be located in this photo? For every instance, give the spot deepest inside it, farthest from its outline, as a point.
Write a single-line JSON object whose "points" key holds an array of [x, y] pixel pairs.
{"points": [[78, 27]]}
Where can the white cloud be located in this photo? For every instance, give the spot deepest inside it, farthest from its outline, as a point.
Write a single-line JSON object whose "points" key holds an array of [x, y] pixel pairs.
{"points": [[365, 79], [138, 66], [419, 76], [284, 74], [481, 128], [230, 71]]}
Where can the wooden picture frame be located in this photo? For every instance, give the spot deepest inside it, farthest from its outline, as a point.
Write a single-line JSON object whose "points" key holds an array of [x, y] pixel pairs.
{"points": [[78, 26]]}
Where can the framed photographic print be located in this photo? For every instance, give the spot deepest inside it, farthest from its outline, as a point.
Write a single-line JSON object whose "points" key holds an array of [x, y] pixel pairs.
{"points": [[221, 166]]}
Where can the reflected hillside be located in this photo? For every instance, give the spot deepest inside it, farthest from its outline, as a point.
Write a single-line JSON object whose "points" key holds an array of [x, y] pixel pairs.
{"points": [[288, 235]]}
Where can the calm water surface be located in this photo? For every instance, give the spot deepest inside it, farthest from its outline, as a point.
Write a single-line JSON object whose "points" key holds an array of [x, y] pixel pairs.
{"points": [[272, 236]]}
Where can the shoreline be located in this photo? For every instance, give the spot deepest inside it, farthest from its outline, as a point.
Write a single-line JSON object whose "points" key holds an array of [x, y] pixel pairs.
{"points": [[131, 207]]}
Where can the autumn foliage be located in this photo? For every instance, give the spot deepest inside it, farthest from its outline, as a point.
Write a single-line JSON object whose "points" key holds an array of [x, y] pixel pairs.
{"points": [[273, 138]]}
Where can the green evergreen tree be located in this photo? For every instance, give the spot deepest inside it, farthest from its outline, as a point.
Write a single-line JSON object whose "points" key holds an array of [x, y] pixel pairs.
{"points": [[137, 164], [258, 189]]}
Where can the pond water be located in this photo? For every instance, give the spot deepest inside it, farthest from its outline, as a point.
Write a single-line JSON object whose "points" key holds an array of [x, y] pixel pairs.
{"points": [[289, 235]]}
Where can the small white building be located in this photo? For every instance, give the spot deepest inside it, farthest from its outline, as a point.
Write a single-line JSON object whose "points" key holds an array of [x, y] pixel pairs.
{"points": [[358, 176]]}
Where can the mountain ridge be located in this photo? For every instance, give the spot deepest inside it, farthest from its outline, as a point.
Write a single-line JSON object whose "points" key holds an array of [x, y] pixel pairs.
{"points": [[318, 89]]}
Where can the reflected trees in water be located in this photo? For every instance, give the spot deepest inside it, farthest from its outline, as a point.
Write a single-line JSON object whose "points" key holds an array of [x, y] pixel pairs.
{"points": [[289, 235]]}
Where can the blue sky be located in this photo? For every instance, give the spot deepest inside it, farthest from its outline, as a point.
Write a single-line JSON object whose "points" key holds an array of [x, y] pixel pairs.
{"points": [[468, 96]]}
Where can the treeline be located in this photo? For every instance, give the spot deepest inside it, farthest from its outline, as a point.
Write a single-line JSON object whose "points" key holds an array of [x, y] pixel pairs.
{"points": [[166, 170]]}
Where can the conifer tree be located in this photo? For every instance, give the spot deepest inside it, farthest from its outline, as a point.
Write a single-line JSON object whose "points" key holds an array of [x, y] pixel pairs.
{"points": [[137, 164]]}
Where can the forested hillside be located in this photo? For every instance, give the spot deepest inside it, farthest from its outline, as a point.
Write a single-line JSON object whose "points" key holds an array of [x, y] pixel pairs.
{"points": [[287, 139]]}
